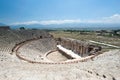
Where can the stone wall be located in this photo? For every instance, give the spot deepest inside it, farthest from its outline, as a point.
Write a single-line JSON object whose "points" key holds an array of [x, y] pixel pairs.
{"points": [[4, 27], [81, 48]]}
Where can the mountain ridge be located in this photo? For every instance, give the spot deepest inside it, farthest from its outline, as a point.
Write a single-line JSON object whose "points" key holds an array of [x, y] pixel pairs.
{"points": [[76, 26]]}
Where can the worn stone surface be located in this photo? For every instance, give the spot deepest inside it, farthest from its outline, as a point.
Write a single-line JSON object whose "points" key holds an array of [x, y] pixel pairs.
{"points": [[104, 67]]}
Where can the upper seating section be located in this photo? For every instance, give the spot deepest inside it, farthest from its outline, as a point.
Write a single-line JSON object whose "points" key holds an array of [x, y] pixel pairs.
{"points": [[8, 38]]}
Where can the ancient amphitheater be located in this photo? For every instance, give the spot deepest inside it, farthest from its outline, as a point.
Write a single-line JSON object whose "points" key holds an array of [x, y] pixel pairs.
{"points": [[37, 55]]}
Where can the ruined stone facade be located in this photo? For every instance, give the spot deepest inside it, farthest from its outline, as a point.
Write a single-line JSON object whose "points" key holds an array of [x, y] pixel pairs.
{"points": [[81, 48]]}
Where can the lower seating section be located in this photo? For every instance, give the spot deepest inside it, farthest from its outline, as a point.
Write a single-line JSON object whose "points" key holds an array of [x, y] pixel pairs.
{"points": [[30, 54], [36, 50]]}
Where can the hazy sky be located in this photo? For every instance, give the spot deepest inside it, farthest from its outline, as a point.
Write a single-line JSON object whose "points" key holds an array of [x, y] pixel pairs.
{"points": [[27, 11]]}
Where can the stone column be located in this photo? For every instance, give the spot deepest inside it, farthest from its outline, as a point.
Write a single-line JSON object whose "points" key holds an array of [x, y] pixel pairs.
{"points": [[72, 46], [86, 50], [68, 44], [79, 50], [74, 49], [83, 52]]}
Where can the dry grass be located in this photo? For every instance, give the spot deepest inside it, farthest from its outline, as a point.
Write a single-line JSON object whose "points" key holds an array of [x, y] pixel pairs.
{"points": [[91, 36]]}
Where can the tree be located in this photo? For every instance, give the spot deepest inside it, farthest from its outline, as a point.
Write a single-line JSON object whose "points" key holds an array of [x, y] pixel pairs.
{"points": [[22, 28]]}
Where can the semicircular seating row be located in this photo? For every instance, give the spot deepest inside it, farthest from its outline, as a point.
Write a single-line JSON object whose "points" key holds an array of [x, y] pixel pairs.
{"points": [[35, 50]]}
